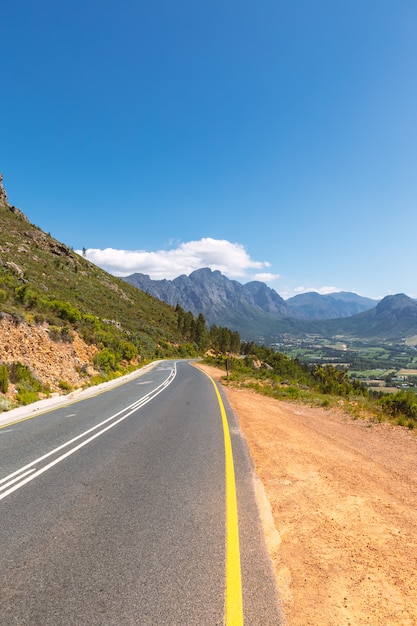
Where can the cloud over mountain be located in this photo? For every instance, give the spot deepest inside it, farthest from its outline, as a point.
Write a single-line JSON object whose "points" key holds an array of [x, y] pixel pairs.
{"points": [[218, 254]]}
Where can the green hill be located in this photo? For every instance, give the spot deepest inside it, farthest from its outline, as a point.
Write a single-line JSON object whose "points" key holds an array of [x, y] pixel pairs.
{"points": [[37, 272], [57, 299]]}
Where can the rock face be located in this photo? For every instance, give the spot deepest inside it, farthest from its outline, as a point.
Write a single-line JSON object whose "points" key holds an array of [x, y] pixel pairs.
{"points": [[213, 294], [3, 194], [4, 202], [50, 361]]}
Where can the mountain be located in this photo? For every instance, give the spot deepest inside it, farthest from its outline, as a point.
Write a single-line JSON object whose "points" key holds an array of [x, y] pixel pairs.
{"points": [[222, 301], [259, 313], [313, 305], [393, 318]]}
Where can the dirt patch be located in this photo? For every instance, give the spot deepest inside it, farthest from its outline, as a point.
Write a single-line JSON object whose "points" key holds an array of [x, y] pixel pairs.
{"points": [[343, 497]]}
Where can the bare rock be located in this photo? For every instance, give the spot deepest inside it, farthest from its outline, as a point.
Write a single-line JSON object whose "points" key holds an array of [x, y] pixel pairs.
{"points": [[4, 201], [3, 194]]}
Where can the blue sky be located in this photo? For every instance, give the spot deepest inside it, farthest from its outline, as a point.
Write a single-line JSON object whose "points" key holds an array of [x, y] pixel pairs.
{"points": [[271, 140]]}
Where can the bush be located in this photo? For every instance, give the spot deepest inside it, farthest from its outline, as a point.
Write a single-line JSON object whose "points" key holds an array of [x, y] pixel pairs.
{"points": [[66, 311], [4, 379], [26, 296], [129, 351], [61, 334], [105, 360], [26, 396], [20, 373], [402, 403], [5, 404]]}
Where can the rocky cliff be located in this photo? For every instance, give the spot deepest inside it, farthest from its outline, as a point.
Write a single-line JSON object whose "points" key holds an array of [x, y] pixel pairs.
{"points": [[3, 194], [55, 364], [4, 202], [214, 295]]}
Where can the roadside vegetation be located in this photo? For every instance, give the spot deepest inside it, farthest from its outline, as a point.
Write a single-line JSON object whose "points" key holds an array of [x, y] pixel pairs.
{"points": [[44, 282], [279, 376]]}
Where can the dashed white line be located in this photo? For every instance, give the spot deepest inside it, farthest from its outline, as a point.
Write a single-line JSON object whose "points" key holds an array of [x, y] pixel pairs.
{"points": [[27, 473]]}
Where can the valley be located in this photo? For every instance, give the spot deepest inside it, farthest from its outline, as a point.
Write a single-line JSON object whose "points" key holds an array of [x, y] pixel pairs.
{"points": [[381, 366]]}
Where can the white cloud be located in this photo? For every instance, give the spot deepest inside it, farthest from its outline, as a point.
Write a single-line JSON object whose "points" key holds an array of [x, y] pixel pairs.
{"points": [[266, 277], [218, 254], [322, 290]]}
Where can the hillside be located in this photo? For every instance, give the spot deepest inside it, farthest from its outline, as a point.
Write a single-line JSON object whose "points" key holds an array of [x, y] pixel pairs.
{"points": [[394, 318], [58, 308]]}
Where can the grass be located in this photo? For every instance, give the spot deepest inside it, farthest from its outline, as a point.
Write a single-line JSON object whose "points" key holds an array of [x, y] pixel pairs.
{"points": [[357, 405]]}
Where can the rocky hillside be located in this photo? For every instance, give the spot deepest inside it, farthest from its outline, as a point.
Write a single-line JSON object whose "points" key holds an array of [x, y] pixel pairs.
{"points": [[212, 294], [58, 366], [63, 319], [247, 309]]}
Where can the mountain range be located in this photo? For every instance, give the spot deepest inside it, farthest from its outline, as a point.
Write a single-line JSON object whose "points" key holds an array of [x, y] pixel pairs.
{"points": [[38, 273], [259, 313]]}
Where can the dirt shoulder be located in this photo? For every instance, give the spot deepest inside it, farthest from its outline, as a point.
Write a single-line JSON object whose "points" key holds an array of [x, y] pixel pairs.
{"points": [[343, 495]]}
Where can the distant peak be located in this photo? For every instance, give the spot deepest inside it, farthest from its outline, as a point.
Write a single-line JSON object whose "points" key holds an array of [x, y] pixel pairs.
{"points": [[395, 302]]}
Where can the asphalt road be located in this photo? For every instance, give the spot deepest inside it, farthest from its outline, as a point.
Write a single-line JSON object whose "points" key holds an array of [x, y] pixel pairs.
{"points": [[119, 509]]}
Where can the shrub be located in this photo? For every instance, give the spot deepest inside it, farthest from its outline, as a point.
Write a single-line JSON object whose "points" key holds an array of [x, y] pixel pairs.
{"points": [[66, 334], [26, 396], [54, 333], [4, 379], [66, 311], [27, 385], [402, 403], [128, 350], [26, 296], [105, 360], [5, 404], [20, 373], [61, 334]]}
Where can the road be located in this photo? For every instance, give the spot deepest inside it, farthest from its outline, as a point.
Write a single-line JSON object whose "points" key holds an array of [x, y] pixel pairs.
{"points": [[134, 506]]}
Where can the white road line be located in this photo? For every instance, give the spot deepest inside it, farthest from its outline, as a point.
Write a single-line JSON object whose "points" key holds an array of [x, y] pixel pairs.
{"points": [[14, 480], [132, 408]]}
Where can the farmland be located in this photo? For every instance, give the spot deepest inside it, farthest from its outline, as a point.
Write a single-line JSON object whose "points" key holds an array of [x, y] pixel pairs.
{"points": [[385, 366]]}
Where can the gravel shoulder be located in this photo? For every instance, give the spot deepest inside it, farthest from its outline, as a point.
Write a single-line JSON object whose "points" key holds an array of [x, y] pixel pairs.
{"points": [[343, 496]]}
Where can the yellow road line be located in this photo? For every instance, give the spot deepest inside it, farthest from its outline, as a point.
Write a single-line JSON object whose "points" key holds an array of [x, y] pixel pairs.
{"points": [[233, 592]]}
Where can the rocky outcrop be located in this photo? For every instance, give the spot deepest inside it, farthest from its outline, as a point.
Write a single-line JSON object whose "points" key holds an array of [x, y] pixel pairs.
{"points": [[4, 202], [3, 194], [51, 362]]}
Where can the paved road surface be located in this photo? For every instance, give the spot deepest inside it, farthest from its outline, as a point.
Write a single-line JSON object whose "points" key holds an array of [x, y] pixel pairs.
{"points": [[114, 511]]}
